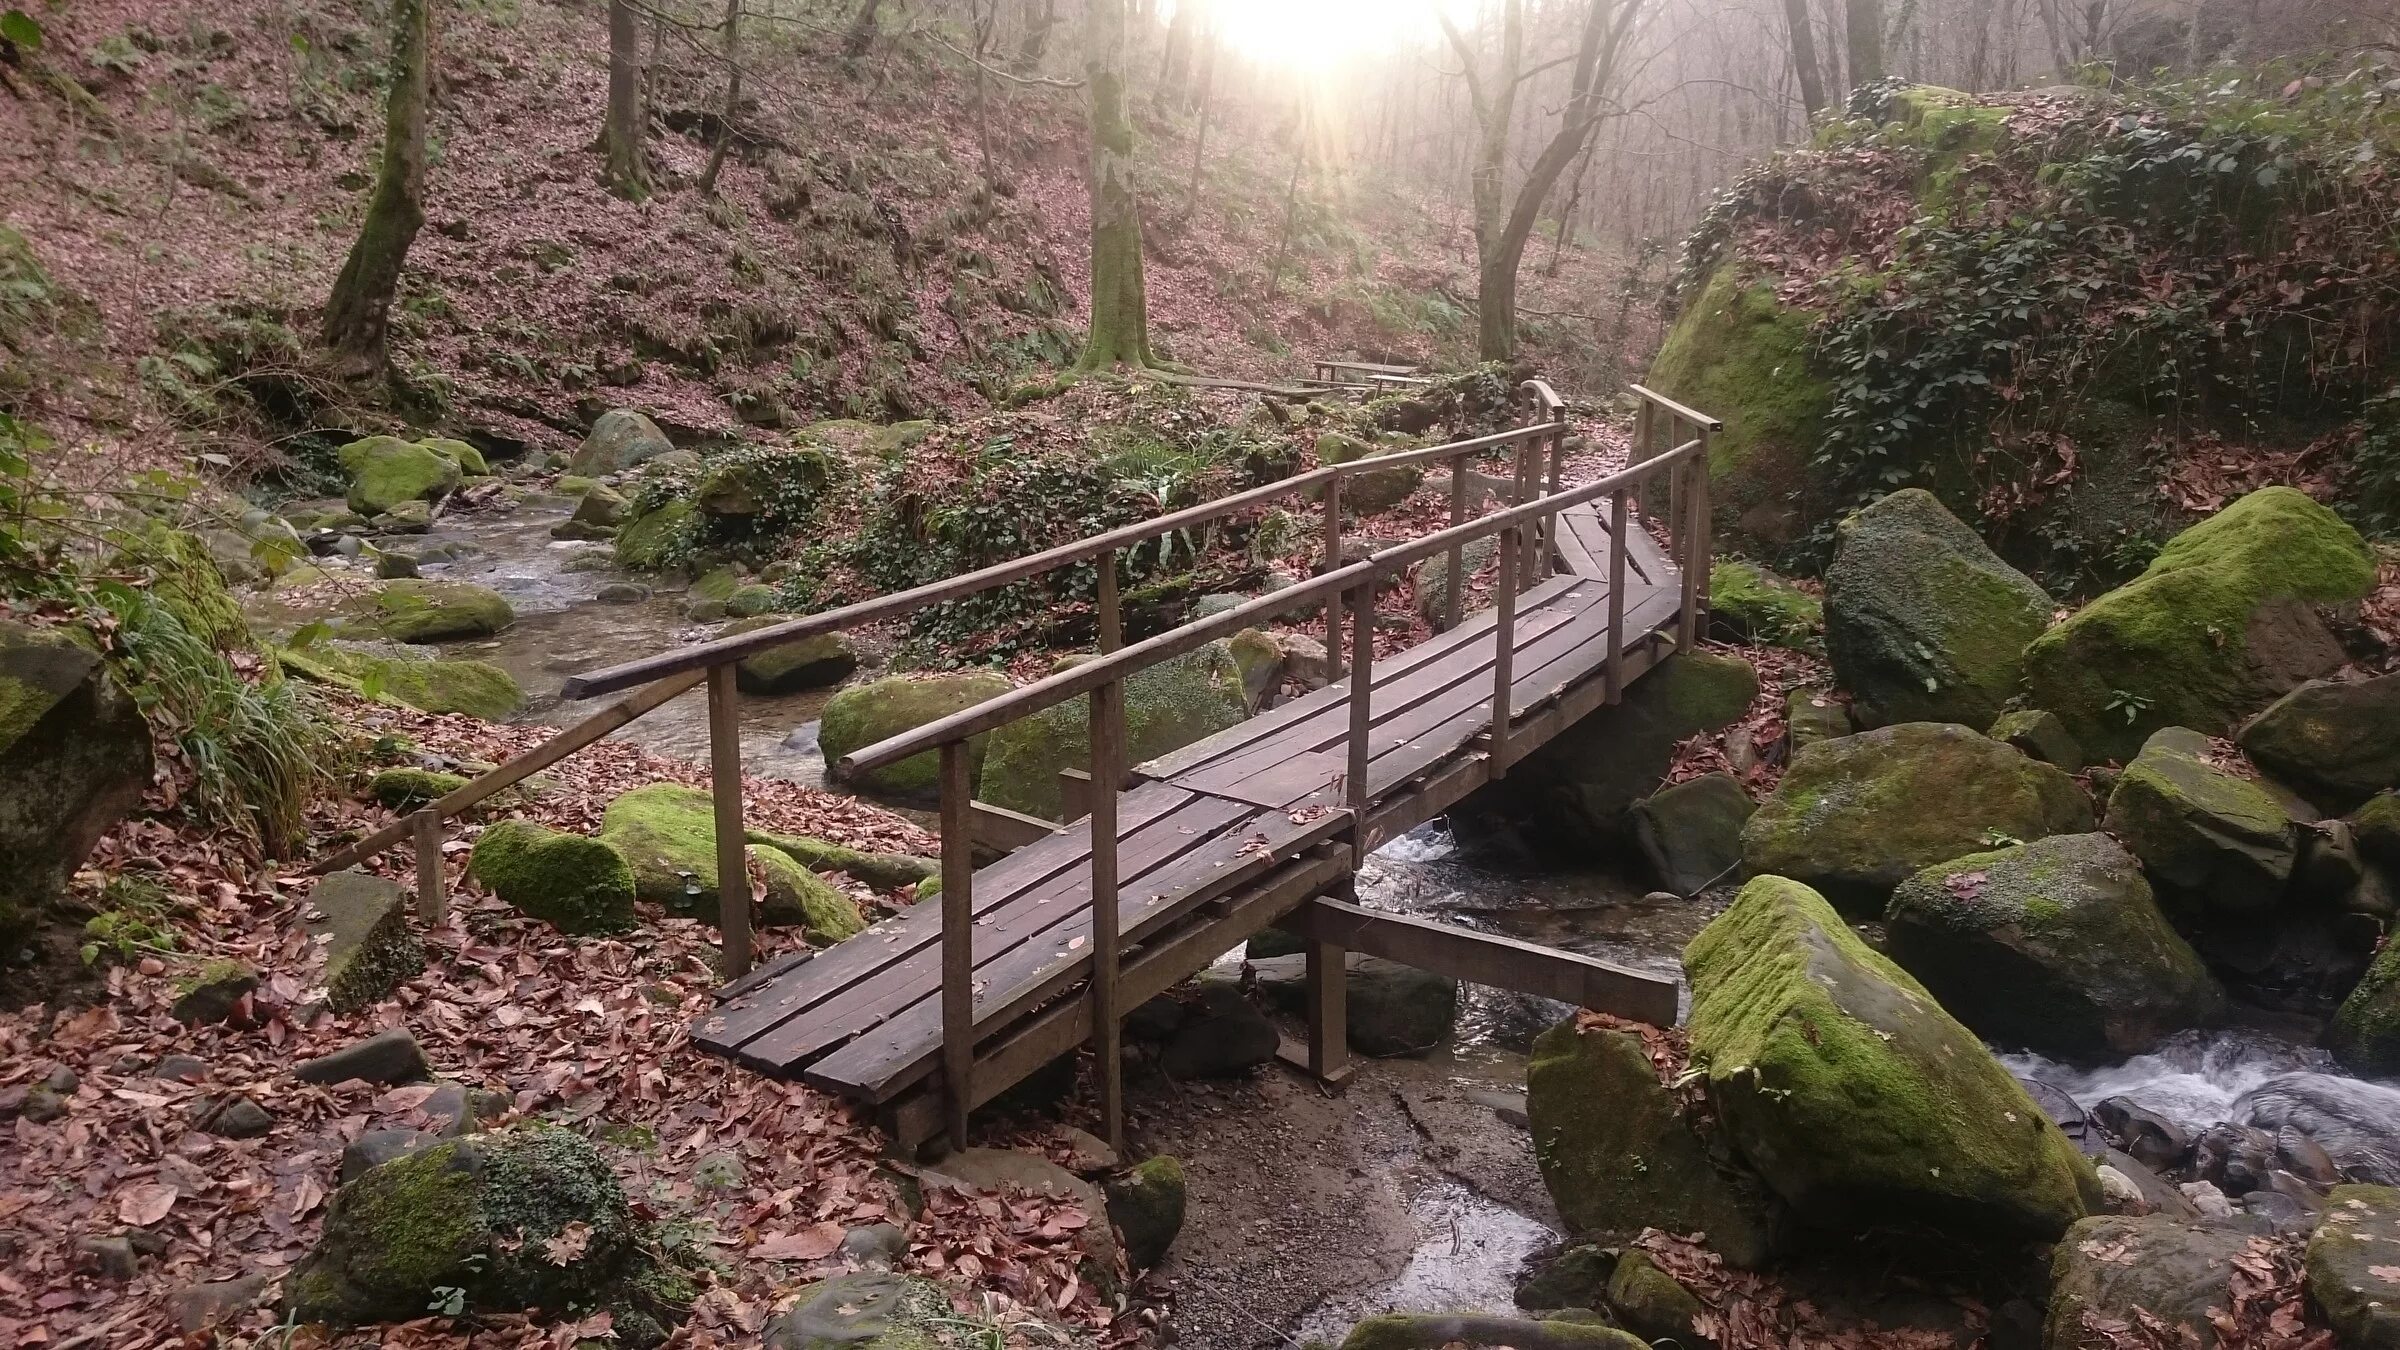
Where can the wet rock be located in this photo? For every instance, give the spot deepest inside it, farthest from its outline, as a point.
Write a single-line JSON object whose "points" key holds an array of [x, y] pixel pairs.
{"points": [[359, 921], [1813, 715], [878, 1246], [620, 438], [1219, 1034], [1167, 707], [2287, 1213], [668, 834], [478, 1214], [234, 1117], [2305, 1159], [601, 506], [1617, 1154], [385, 471], [2114, 1268], [2356, 1123], [2054, 946], [2215, 842], [1653, 1306], [1391, 1009], [390, 566], [1853, 1094], [2329, 867], [622, 593], [2206, 1200], [2351, 1272], [1923, 622], [112, 1258], [2234, 1158], [1146, 1205], [1575, 1278], [210, 994], [2154, 1194], [575, 883], [2337, 741], [2039, 735], [2365, 1033], [2223, 621], [817, 662], [1442, 1331], [405, 518], [1856, 816], [75, 757], [866, 713], [2148, 1136], [385, 1057], [869, 1310], [2376, 826], [197, 1307], [419, 611], [373, 1148], [1691, 833]]}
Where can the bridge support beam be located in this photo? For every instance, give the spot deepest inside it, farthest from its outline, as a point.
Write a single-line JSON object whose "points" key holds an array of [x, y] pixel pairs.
{"points": [[1487, 958]]}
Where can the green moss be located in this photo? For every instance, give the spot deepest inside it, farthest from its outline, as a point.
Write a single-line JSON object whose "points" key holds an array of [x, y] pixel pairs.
{"points": [[468, 459], [577, 884], [863, 714], [385, 471], [407, 789], [2204, 833], [2177, 638], [1146, 1205], [415, 610], [657, 538], [1651, 1302], [417, 1224], [1853, 1093], [1167, 707], [1759, 607], [2350, 1271], [2365, 1032], [1738, 353], [751, 601], [475, 688], [2377, 827], [668, 833], [183, 577], [883, 871], [574, 485]]}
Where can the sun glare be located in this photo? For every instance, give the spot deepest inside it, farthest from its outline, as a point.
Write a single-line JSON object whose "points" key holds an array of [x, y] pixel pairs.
{"points": [[1317, 34]]}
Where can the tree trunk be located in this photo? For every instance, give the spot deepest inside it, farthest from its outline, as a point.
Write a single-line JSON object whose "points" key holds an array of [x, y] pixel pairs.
{"points": [[1120, 329], [1291, 201], [733, 97], [1863, 33], [1042, 16], [622, 134], [1208, 84], [862, 30], [1178, 55], [1566, 215], [358, 310], [1804, 56]]}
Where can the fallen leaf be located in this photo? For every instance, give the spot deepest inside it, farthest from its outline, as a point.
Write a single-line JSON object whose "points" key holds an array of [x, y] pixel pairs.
{"points": [[142, 1206], [813, 1243]]}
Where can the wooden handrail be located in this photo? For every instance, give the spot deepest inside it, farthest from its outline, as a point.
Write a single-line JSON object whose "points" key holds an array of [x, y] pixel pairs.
{"points": [[1699, 420], [1089, 675]]}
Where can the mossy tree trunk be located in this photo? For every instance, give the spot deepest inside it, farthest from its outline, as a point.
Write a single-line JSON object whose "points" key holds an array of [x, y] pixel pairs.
{"points": [[1804, 55], [627, 173], [357, 313], [1120, 331]]}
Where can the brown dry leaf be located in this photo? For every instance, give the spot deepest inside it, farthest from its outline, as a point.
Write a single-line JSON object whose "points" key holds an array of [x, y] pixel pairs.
{"points": [[813, 1243], [569, 1245], [142, 1206]]}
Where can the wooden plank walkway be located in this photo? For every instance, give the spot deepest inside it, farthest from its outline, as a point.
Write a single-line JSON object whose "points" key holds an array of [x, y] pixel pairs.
{"points": [[1215, 841]]}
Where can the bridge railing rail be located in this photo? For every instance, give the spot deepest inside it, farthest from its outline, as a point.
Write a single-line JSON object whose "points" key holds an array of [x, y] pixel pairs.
{"points": [[1527, 528]]}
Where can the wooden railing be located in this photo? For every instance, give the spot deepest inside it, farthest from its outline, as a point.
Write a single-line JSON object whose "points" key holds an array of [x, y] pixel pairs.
{"points": [[1526, 529]]}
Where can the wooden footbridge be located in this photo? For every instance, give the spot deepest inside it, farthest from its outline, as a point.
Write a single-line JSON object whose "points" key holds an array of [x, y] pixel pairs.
{"points": [[932, 1012]]}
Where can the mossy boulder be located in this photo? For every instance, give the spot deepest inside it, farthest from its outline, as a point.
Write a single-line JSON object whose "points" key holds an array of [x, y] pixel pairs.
{"points": [[575, 883], [863, 714], [2213, 840], [619, 439], [470, 461], [75, 757], [476, 688], [1371, 491], [1853, 1095], [883, 871], [359, 921], [405, 789], [2223, 621], [2054, 946], [2351, 1272], [1433, 578], [1167, 707], [1813, 715], [2338, 741], [598, 513], [385, 471], [1857, 815], [1653, 1306], [668, 834], [1146, 1205], [657, 538], [2156, 1270], [866, 1310], [1619, 1153], [182, 575], [415, 610], [2376, 826], [1923, 622], [1258, 657], [2365, 1031], [1691, 833], [525, 1218], [1739, 354], [2039, 735], [1750, 604], [751, 601], [1576, 789]]}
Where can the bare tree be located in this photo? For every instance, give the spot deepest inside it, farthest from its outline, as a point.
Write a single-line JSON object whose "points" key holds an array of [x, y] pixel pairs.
{"points": [[357, 313], [1862, 22], [861, 35], [1175, 60], [733, 97], [1503, 224], [1120, 331], [1040, 17], [622, 132], [1803, 43], [1208, 84]]}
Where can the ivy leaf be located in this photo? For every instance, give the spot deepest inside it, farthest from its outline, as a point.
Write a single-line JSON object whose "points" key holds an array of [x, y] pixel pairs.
{"points": [[2267, 176], [18, 27]]}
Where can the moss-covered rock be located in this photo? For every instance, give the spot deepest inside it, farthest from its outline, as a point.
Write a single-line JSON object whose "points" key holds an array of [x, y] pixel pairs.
{"points": [[415, 610], [2339, 741], [668, 834], [883, 871], [2220, 623], [575, 883], [1575, 1278], [1370, 491], [598, 513], [2054, 946], [2376, 826], [868, 1310], [359, 921], [2351, 1271], [1691, 833], [1844, 1085], [75, 756], [751, 601], [1741, 355], [1146, 1205], [385, 471], [489, 1215], [2119, 1270], [1432, 578], [1923, 622], [819, 661], [1258, 657], [406, 789], [1167, 707], [620, 438], [476, 688], [1813, 715], [863, 714], [470, 461], [656, 538], [183, 575], [1653, 1306], [2365, 1031], [1751, 604], [2213, 840], [2039, 735], [1619, 1155], [1857, 815]]}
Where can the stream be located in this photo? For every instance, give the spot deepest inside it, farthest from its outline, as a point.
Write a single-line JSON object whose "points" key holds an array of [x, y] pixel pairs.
{"points": [[1422, 1186]]}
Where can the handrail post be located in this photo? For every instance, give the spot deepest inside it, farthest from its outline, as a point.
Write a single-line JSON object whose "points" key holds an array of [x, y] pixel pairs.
{"points": [[958, 940], [1362, 686], [433, 895], [1618, 523], [1457, 561], [1695, 545], [1111, 620], [1548, 543], [1504, 632], [1108, 777], [1528, 447], [1643, 436], [1333, 561], [725, 790]]}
